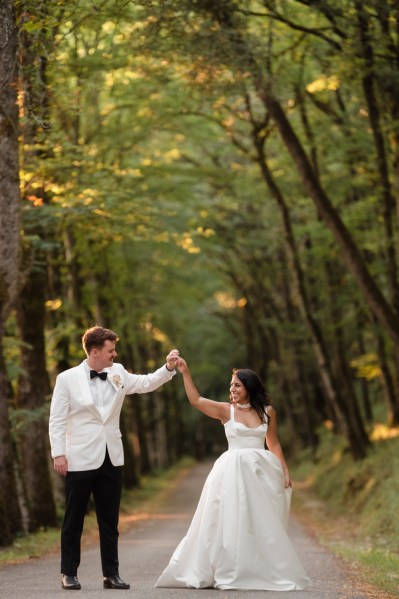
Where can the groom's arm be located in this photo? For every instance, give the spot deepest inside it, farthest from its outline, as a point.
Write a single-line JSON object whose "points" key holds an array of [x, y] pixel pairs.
{"points": [[145, 383]]}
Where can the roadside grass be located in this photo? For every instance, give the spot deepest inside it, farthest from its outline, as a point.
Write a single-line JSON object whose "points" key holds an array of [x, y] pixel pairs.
{"points": [[352, 506], [145, 499], [377, 567], [30, 546]]}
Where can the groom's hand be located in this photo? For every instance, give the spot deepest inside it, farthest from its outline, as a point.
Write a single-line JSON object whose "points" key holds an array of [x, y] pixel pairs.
{"points": [[61, 465], [172, 359]]}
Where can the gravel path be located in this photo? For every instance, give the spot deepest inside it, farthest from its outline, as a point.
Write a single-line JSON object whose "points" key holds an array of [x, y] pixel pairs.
{"points": [[146, 544]]}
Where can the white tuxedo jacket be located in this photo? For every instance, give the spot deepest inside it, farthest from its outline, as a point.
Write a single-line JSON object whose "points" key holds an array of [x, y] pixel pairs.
{"points": [[78, 431]]}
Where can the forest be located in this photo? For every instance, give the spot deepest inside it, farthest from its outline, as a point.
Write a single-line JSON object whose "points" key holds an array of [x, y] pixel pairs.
{"points": [[220, 176]]}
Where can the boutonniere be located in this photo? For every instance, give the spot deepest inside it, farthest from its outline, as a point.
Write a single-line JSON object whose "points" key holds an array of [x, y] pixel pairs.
{"points": [[116, 379]]}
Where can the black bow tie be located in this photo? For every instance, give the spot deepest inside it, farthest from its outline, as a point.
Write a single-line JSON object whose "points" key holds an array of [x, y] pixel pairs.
{"points": [[102, 375]]}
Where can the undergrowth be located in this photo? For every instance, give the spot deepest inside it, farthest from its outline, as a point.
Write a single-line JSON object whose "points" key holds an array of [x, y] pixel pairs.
{"points": [[357, 516]]}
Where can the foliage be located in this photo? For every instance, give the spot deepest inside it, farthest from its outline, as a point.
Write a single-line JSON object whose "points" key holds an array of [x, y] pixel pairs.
{"points": [[357, 515], [161, 199]]}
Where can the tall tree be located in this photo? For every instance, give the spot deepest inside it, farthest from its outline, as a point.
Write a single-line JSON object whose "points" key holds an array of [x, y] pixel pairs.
{"points": [[10, 518], [33, 384]]}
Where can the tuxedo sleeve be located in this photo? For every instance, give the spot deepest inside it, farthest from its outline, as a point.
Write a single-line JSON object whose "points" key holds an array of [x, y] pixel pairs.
{"points": [[145, 383], [58, 417]]}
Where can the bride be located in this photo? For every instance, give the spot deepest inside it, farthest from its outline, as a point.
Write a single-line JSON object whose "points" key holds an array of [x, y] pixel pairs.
{"points": [[237, 538]]}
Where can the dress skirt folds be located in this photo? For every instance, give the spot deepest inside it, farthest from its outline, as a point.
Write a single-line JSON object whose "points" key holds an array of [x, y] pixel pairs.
{"points": [[238, 538]]}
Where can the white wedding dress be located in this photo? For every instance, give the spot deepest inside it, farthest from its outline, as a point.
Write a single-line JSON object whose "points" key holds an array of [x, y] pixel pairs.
{"points": [[237, 538]]}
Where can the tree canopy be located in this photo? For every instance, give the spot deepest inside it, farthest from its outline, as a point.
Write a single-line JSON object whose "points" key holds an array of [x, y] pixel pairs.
{"points": [[221, 177]]}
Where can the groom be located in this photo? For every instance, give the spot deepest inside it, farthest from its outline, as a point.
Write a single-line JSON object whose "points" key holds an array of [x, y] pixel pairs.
{"points": [[86, 446]]}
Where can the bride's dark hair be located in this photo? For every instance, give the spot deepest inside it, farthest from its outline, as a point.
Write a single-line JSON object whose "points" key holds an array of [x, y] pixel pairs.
{"points": [[258, 397]]}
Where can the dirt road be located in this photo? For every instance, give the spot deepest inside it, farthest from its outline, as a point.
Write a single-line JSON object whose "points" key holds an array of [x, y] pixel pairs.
{"points": [[145, 549]]}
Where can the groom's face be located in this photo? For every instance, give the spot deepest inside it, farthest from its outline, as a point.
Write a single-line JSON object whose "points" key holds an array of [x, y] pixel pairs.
{"points": [[103, 357]]}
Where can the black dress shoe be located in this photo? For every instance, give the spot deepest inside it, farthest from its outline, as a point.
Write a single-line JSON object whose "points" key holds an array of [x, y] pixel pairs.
{"points": [[70, 583], [115, 582]]}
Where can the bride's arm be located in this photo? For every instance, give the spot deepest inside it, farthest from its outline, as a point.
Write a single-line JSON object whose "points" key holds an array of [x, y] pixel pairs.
{"points": [[273, 443], [214, 409]]}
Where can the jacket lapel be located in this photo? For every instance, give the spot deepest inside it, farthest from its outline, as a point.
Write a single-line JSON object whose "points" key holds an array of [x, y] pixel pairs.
{"points": [[115, 380], [85, 390]]}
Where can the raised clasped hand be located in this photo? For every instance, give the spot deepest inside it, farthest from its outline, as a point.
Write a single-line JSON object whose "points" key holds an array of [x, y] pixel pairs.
{"points": [[172, 359], [182, 365]]}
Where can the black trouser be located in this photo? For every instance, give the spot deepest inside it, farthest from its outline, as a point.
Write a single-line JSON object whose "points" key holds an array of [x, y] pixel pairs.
{"points": [[105, 484]]}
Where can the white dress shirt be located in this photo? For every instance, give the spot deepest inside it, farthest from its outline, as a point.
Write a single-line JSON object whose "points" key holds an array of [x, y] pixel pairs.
{"points": [[101, 391]]}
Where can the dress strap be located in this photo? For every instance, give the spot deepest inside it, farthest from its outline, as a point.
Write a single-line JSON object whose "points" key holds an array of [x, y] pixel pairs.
{"points": [[232, 412]]}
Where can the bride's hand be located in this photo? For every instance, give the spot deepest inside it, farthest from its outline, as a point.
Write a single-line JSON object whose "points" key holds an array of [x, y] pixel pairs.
{"points": [[181, 365], [288, 482]]}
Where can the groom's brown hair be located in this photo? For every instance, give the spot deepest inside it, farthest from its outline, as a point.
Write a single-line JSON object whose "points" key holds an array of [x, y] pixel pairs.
{"points": [[96, 337]]}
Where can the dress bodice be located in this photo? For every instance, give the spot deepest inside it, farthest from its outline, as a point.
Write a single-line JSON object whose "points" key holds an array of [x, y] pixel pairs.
{"points": [[240, 436]]}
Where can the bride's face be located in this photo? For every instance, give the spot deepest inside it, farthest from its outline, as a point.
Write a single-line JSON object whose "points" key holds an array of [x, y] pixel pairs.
{"points": [[238, 393]]}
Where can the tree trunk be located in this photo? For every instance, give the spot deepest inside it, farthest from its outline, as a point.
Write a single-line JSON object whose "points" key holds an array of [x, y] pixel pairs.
{"points": [[390, 392], [310, 421], [364, 390], [9, 165], [284, 396], [130, 474], [139, 416], [160, 444], [299, 374], [131, 477], [172, 415], [33, 384], [33, 389], [346, 424], [343, 373], [10, 517]]}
